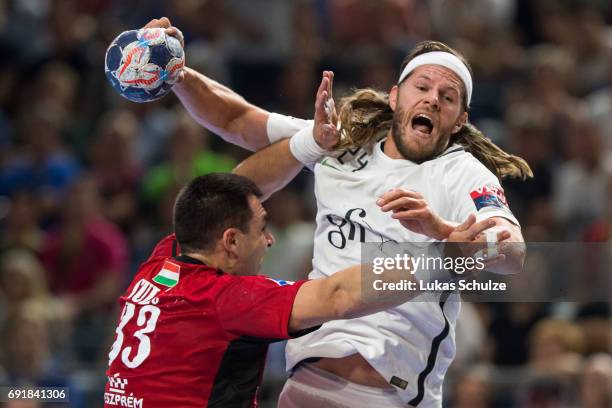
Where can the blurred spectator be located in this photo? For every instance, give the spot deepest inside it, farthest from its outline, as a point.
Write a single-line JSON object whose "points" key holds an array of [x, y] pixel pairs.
{"points": [[555, 347], [114, 167], [23, 285], [473, 389], [188, 156], [591, 49], [298, 79], [291, 257], [86, 257], [21, 226], [470, 337], [594, 320], [580, 184], [155, 122], [596, 382], [43, 164], [544, 392], [531, 133], [26, 352], [509, 329], [599, 105], [357, 25]]}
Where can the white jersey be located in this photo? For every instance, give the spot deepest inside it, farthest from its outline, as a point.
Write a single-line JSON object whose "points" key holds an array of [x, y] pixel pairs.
{"points": [[412, 345]]}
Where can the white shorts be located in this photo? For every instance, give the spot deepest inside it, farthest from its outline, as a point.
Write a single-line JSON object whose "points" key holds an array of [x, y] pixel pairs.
{"points": [[310, 387]]}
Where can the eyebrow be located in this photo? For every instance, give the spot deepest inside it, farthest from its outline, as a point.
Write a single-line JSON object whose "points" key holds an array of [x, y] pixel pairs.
{"points": [[448, 87]]}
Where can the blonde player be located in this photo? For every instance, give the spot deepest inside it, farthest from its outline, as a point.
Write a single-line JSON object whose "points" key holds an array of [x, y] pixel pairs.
{"points": [[408, 169]]}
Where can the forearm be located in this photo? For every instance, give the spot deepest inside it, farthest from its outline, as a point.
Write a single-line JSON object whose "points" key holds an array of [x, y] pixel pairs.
{"points": [[352, 300], [222, 111], [272, 168]]}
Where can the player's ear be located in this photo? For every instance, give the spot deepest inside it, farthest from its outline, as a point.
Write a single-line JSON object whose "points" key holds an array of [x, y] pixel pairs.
{"points": [[393, 97], [460, 122], [230, 240]]}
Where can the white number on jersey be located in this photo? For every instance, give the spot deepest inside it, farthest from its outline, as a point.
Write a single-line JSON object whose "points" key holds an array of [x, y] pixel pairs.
{"points": [[147, 317]]}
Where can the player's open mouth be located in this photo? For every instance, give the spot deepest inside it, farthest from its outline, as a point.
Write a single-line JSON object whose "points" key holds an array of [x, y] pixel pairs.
{"points": [[422, 123]]}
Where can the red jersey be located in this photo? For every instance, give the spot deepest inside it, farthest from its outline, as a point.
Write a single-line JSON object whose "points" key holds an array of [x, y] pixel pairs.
{"points": [[190, 335]]}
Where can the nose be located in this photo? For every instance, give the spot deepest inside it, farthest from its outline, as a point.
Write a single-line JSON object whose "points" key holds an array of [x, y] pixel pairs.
{"points": [[270, 239], [432, 99]]}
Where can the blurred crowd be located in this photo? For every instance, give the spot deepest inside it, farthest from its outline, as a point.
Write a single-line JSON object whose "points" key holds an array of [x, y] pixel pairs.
{"points": [[87, 180]]}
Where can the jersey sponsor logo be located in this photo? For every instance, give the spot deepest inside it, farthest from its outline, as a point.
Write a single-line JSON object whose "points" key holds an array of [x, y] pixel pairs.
{"points": [[144, 293], [281, 282], [116, 394], [325, 162], [169, 274], [350, 155], [489, 195], [354, 231]]}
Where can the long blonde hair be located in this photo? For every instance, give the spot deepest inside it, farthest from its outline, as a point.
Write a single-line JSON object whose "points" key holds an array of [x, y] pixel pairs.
{"points": [[366, 115]]}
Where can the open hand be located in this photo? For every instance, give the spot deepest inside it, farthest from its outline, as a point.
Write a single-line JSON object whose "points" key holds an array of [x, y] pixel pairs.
{"points": [[326, 132], [412, 211]]}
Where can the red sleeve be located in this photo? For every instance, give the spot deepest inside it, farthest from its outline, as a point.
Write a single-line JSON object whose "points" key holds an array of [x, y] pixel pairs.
{"points": [[256, 306], [166, 248]]}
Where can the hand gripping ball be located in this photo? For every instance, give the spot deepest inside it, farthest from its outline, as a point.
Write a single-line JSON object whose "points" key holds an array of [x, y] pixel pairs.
{"points": [[142, 65]]}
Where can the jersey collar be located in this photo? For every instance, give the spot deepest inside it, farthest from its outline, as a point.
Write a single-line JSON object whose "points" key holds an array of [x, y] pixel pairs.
{"points": [[189, 260], [388, 162]]}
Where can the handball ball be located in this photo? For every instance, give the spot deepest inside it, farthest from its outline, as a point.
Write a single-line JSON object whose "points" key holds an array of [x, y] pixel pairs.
{"points": [[142, 65]]}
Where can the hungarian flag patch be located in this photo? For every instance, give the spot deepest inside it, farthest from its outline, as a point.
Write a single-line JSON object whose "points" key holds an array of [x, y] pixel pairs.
{"points": [[168, 275]]}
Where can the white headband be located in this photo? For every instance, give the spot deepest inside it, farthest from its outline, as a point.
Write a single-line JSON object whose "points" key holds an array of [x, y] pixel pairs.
{"points": [[446, 60]]}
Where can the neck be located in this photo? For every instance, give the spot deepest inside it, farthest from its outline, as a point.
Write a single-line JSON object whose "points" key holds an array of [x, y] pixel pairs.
{"points": [[215, 260], [390, 148]]}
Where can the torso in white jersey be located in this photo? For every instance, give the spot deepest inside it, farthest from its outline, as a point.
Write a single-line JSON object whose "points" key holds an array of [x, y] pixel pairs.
{"points": [[411, 346]]}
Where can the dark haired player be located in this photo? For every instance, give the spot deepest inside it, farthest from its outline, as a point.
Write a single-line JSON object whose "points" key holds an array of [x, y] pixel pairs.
{"points": [[196, 320]]}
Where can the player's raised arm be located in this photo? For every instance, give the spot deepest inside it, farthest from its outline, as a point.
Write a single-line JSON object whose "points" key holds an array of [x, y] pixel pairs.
{"points": [[275, 166], [222, 111], [218, 108]]}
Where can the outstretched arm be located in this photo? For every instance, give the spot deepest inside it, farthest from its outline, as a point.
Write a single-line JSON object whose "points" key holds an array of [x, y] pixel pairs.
{"points": [[215, 106], [222, 111]]}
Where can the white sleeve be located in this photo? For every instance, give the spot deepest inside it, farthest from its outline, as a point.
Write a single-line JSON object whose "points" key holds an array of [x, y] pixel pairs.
{"points": [[281, 126], [474, 189]]}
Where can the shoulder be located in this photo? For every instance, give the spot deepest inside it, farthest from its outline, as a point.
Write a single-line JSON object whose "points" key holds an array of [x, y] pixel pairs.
{"points": [[166, 247], [461, 165]]}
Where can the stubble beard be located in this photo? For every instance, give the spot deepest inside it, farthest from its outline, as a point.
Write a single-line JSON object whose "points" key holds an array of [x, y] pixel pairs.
{"points": [[417, 156]]}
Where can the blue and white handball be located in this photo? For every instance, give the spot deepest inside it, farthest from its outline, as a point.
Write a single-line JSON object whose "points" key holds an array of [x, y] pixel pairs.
{"points": [[142, 65]]}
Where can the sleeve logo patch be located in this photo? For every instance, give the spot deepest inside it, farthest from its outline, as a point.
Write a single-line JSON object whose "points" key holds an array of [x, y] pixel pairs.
{"points": [[281, 282], [489, 195]]}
